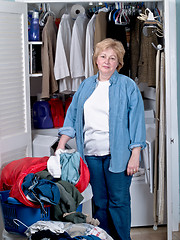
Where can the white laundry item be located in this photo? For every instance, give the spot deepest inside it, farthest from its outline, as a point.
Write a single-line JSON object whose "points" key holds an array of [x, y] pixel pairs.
{"points": [[89, 50], [59, 151], [54, 226], [54, 166], [62, 58], [53, 163], [99, 232], [77, 53], [78, 229]]}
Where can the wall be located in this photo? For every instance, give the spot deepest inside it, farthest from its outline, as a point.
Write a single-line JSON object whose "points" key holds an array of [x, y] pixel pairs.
{"points": [[178, 70]]}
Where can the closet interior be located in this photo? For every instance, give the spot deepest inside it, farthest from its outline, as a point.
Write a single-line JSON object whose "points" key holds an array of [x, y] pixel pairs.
{"points": [[62, 58]]}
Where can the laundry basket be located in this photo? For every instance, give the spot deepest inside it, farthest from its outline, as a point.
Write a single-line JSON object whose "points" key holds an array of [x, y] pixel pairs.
{"points": [[17, 217]]}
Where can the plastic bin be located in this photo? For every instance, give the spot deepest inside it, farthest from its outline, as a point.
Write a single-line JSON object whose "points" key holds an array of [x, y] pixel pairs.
{"points": [[42, 115], [17, 217]]}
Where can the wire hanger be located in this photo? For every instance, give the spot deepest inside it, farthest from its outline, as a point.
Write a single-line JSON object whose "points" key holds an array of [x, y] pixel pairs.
{"points": [[48, 13]]}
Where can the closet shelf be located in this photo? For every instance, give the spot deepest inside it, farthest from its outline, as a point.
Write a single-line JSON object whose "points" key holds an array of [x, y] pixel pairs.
{"points": [[35, 75], [35, 42], [84, 1]]}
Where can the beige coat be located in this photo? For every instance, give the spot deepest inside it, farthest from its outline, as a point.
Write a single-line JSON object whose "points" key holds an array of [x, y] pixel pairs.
{"points": [[100, 30], [49, 83]]}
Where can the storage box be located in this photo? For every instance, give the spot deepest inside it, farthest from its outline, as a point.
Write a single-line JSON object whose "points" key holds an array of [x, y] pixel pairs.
{"points": [[18, 217], [44, 145], [150, 93]]}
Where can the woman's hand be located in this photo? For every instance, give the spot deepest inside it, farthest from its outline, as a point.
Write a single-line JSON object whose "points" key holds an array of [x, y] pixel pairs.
{"points": [[133, 164], [62, 142]]}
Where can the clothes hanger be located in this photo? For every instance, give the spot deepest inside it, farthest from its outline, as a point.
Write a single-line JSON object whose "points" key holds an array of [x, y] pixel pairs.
{"points": [[101, 8], [150, 22], [111, 8], [117, 11], [48, 13], [43, 12], [122, 17]]}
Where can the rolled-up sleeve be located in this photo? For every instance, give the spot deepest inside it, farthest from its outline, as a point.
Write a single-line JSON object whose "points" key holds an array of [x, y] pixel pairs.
{"points": [[69, 131], [137, 129], [70, 119], [69, 128]]}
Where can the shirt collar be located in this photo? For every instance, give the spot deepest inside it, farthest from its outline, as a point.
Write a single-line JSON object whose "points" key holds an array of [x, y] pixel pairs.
{"points": [[113, 78]]}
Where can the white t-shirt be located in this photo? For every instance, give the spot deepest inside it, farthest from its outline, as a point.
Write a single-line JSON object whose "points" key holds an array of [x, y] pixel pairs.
{"points": [[96, 121]]}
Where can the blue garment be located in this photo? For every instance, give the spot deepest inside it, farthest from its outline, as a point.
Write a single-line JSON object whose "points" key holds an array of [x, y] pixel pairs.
{"points": [[41, 190], [88, 237], [47, 234], [126, 118], [70, 167], [111, 197]]}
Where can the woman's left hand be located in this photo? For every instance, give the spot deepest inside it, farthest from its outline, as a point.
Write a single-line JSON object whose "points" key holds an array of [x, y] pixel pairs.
{"points": [[133, 164]]}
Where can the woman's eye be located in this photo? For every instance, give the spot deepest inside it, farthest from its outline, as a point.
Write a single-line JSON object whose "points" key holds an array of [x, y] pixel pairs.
{"points": [[112, 58]]}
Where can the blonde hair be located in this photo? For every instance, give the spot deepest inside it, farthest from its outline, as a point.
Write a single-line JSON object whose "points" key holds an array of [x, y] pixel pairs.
{"points": [[117, 46]]}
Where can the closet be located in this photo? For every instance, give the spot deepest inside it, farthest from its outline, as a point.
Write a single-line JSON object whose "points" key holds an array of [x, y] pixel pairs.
{"points": [[15, 117]]}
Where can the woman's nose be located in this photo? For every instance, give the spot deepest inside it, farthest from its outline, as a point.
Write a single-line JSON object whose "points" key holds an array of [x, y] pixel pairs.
{"points": [[107, 60]]}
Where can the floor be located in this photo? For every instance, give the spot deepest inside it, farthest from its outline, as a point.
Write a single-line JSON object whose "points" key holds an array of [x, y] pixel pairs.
{"points": [[149, 233]]}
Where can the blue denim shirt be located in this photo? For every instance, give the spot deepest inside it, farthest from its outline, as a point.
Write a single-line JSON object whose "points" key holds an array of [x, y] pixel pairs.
{"points": [[126, 118]]}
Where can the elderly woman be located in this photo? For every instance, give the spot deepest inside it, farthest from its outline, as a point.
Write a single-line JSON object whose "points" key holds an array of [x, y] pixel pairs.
{"points": [[107, 118]]}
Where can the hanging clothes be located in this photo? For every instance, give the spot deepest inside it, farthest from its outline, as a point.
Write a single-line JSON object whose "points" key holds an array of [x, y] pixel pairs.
{"points": [[100, 26], [142, 52], [100, 29], [62, 59], [162, 144], [147, 63], [118, 32], [48, 50], [136, 28], [77, 52], [159, 162], [89, 68]]}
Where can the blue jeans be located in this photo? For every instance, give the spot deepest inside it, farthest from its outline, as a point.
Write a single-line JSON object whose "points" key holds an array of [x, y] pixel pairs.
{"points": [[111, 197]]}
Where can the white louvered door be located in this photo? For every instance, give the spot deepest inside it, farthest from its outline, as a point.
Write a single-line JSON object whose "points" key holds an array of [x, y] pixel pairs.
{"points": [[15, 123]]}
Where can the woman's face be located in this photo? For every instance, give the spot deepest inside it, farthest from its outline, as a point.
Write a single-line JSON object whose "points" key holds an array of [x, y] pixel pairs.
{"points": [[107, 61]]}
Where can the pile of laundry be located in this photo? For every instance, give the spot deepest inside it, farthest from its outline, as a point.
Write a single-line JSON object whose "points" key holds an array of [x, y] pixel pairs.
{"points": [[63, 230], [34, 183], [61, 182]]}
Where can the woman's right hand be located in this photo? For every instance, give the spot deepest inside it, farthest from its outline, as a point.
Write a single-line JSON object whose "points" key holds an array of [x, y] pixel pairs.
{"points": [[62, 142]]}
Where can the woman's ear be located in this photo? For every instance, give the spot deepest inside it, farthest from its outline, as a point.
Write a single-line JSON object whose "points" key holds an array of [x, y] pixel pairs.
{"points": [[118, 65], [96, 63]]}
